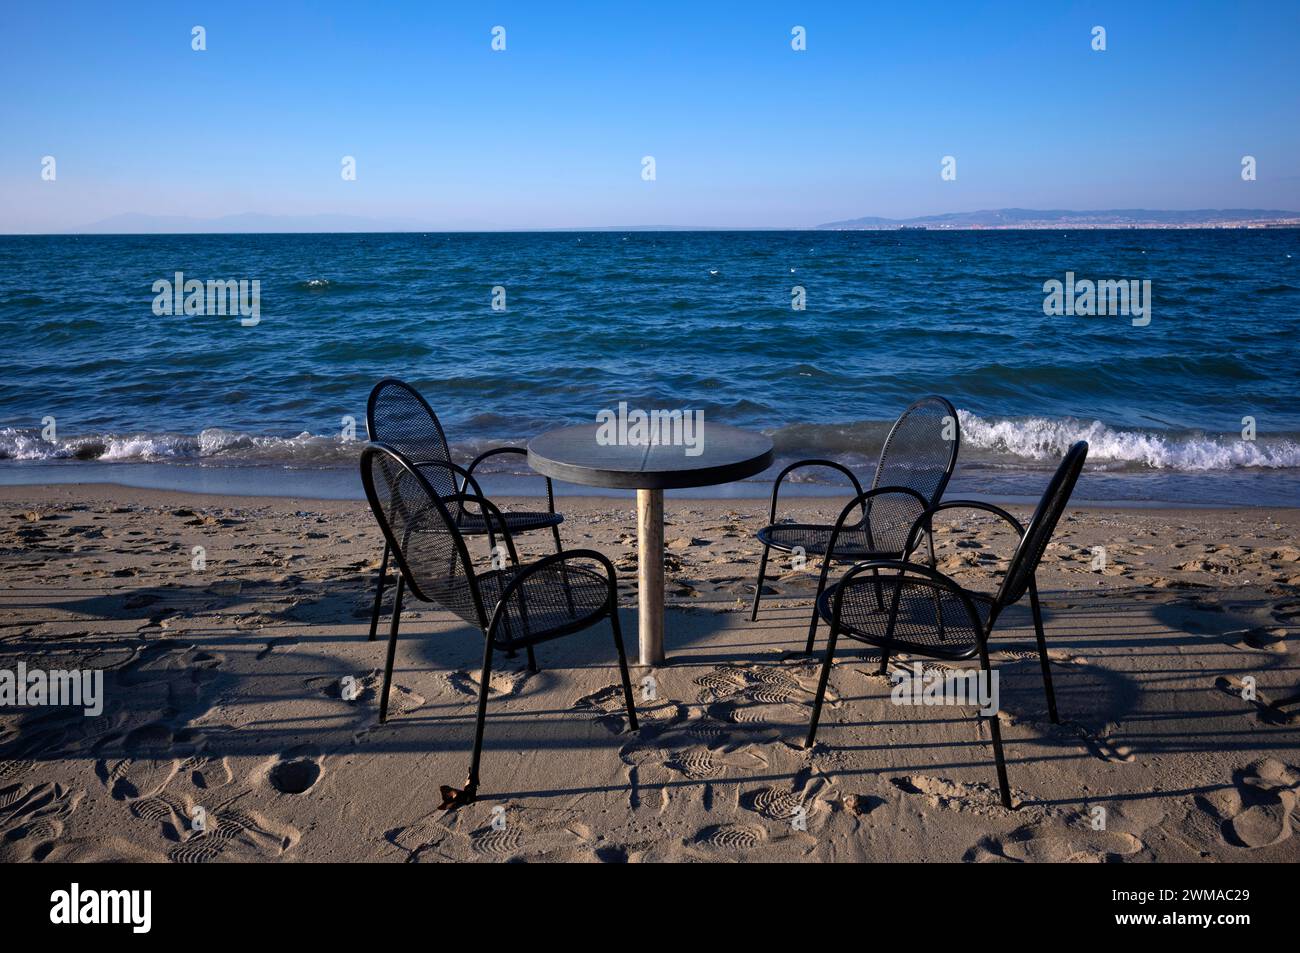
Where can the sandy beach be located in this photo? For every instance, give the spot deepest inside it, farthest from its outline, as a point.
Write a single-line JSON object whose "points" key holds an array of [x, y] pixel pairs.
{"points": [[224, 698]]}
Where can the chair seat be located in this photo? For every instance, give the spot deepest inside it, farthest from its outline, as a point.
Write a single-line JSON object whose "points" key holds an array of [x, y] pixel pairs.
{"points": [[932, 620], [852, 544], [517, 521], [556, 600]]}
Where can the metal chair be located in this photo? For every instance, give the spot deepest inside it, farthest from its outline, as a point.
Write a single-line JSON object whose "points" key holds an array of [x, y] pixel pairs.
{"points": [[397, 415], [932, 615], [916, 463], [516, 607]]}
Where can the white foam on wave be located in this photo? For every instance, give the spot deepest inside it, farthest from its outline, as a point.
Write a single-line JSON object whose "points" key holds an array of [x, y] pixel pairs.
{"points": [[214, 444], [994, 440], [1047, 438]]}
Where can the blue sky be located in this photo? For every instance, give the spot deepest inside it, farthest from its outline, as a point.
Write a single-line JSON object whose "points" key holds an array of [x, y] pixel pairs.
{"points": [[745, 131]]}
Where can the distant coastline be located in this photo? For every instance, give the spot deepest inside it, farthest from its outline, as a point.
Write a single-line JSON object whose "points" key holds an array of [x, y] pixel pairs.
{"points": [[1005, 219], [1020, 218]]}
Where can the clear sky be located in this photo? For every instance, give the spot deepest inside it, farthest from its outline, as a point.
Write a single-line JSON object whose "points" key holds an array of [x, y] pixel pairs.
{"points": [[551, 132]]}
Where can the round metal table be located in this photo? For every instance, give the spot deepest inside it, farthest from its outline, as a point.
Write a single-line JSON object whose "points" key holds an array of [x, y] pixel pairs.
{"points": [[572, 454]]}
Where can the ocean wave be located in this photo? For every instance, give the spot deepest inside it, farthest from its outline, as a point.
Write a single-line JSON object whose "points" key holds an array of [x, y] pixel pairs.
{"points": [[213, 444], [1047, 438], [217, 445], [1013, 442]]}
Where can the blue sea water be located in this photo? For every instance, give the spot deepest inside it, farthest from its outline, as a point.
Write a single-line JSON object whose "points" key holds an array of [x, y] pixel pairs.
{"points": [[692, 320]]}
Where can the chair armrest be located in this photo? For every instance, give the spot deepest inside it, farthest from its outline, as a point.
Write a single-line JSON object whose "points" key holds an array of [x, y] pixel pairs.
{"points": [[831, 464], [550, 489], [861, 501], [976, 505], [490, 515], [934, 580], [532, 569], [926, 523]]}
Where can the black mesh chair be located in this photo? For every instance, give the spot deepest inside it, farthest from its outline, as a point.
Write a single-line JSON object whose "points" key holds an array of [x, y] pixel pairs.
{"points": [[929, 614], [915, 466], [397, 415], [516, 607]]}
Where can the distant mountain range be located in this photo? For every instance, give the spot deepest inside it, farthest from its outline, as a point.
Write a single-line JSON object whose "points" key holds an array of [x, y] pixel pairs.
{"points": [[1102, 218]]}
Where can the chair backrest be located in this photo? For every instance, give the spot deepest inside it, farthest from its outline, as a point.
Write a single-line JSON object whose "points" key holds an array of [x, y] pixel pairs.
{"points": [[921, 450], [421, 534], [1024, 562], [399, 417]]}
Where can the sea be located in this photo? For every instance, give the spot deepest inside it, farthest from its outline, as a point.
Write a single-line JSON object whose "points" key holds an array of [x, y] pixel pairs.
{"points": [[818, 338]]}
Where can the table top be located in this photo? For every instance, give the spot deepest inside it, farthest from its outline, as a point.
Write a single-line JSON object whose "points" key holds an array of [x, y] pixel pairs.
{"points": [[726, 454]]}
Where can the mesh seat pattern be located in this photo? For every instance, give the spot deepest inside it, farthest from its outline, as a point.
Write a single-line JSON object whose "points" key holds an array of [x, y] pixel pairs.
{"points": [[554, 599], [932, 619]]}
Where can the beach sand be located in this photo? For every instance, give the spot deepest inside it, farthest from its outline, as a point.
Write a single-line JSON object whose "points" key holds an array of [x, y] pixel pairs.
{"points": [[223, 694]]}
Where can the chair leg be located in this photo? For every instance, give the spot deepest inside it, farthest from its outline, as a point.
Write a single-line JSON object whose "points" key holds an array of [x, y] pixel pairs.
{"points": [[889, 630], [392, 648], [938, 608], [453, 798], [821, 687], [471, 785], [622, 668], [995, 731], [379, 593], [812, 626], [532, 661], [758, 589], [564, 574], [1042, 656]]}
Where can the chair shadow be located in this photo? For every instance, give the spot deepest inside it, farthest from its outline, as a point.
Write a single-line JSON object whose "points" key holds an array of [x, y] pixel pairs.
{"points": [[169, 697]]}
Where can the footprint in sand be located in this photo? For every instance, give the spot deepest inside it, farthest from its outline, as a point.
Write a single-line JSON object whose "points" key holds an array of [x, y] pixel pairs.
{"points": [[1258, 811], [166, 811], [759, 684], [208, 773], [14, 768], [980, 797], [743, 714], [697, 765], [147, 767], [33, 818], [1056, 844], [198, 851], [730, 837], [500, 684], [608, 708], [772, 803], [541, 834], [487, 842], [240, 835], [722, 682], [10, 795]]}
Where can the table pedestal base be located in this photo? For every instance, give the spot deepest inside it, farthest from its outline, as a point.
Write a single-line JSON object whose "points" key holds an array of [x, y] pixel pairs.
{"points": [[650, 573]]}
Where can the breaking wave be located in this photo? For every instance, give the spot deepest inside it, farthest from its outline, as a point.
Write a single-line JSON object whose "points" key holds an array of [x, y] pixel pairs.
{"points": [[992, 441], [1047, 439]]}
